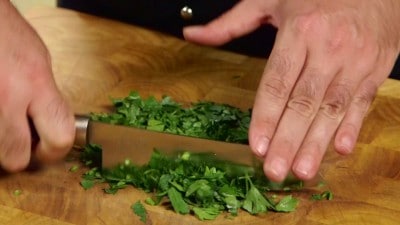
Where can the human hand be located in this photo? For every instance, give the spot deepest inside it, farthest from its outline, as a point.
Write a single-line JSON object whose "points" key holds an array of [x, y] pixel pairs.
{"points": [[328, 60], [28, 92]]}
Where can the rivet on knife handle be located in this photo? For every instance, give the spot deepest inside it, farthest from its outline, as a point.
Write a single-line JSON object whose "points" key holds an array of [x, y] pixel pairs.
{"points": [[81, 125]]}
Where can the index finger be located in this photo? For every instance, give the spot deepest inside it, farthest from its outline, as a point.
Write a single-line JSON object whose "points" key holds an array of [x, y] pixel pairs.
{"points": [[53, 120], [281, 72], [243, 18]]}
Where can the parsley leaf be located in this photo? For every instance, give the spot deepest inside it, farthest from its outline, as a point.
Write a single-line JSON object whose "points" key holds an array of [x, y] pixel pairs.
{"points": [[17, 192], [177, 201], [140, 211], [328, 195], [209, 213], [286, 204], [255, 202]]}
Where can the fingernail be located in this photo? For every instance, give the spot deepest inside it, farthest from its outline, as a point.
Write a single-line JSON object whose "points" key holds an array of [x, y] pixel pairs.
{"points": [[304, 167], [262, 145], [277, 169], [346, 144], [191, 30]]}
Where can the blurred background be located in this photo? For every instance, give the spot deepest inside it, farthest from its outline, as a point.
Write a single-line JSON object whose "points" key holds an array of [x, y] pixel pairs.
{"points": [[24, 5]]}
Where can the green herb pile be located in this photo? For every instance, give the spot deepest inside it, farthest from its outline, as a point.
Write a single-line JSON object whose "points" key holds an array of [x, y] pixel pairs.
{"points": [[202, 119], [198, 184]]}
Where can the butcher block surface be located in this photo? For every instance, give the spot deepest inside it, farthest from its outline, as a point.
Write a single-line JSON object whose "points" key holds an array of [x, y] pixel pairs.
{"points": [[95, 59]]}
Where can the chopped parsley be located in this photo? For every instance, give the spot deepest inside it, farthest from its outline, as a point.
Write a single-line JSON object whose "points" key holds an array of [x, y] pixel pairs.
{"points": [[17, 192], [140, 211], [74, 168], [202, 119], [192, 183], [327, 195]]}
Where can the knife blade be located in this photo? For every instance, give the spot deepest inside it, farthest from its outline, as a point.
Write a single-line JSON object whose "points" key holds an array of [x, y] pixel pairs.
{"points": [[119, 142], [123, 142]]}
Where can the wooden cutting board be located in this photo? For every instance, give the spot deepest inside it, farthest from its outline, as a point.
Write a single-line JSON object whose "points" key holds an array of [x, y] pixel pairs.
{"points": [[95, 58]]}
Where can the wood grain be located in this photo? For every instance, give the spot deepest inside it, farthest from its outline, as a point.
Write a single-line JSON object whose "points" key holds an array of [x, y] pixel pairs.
{"points": [[95, 58]]}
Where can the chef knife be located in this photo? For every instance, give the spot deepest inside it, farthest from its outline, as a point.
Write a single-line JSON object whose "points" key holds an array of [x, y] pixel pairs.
{"points": [[119, 142]]}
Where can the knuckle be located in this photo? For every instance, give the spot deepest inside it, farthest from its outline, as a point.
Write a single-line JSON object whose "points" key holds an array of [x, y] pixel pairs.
{"points": [[305, 97], [338, 34], [306, 22], [63, 142], [336, 41], [365, 95], [276, 87], [57, 143], [336, 101], [280, 63], [58, 108], [48, 152], [341, 34], [37, 67], [365, 66], [333, 109], [303, 105]]}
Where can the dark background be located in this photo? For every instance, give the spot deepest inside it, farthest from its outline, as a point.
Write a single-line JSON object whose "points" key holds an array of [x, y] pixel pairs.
{"points": [[165, 16]]}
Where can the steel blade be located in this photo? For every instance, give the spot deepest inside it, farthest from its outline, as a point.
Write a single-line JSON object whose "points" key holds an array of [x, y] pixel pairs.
{"points": [[123, 142]]}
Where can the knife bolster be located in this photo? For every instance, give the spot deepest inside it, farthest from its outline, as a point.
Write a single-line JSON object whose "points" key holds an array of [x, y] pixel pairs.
{"points": [[81, 126]]}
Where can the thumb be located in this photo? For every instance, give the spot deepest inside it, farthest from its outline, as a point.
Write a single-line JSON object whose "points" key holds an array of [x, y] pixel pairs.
{"points": [[54, 123], [243, 18]]}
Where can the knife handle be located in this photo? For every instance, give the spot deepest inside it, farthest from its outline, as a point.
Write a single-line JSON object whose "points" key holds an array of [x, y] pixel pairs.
{"points": [[81, 127]]}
